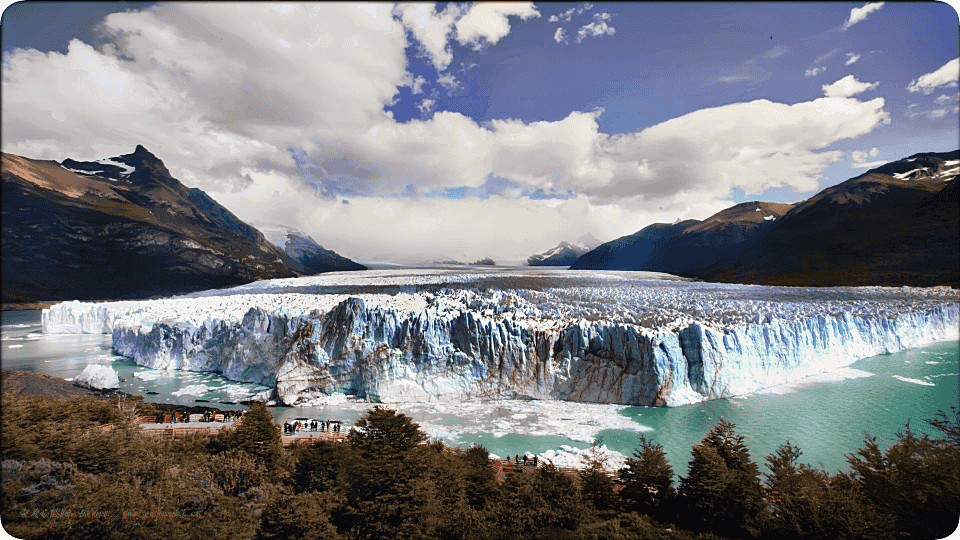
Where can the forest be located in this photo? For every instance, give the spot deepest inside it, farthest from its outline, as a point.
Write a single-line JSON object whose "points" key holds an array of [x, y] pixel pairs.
{"points": [[81, 468]]}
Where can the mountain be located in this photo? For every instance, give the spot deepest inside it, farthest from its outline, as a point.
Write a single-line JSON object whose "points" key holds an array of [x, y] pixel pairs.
{"points": [[121, 227], [565, 253], [897, 224], [631, 252], [893, 225], [702, 243], [302, 248]]}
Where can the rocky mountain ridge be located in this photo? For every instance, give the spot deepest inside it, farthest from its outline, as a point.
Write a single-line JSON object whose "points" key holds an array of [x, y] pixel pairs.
{"points": [[896, 224], [304, 249], [122, 227]]}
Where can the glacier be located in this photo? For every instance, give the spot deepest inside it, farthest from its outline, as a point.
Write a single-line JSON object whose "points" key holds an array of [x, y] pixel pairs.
{"points": [[429, 334]]}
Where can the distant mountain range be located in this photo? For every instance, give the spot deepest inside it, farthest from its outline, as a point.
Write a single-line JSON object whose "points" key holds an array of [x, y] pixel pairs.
{"points": [[305, 250], [565, 253], [898, 224], [122, 227]]}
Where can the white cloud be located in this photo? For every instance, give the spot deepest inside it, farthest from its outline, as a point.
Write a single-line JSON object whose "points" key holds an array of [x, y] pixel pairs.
{"points": [[944, 99], [847, 86], [567, 15], [488, 22], [813, 72], [282, 134], [860, 13], [947, 74], [860, 159], [560, 35], [851, 58], [824, 57], [937, 113], [431, 29], [776, 52], [450, 83], [426, 105], [598, 27], [415, 83]]}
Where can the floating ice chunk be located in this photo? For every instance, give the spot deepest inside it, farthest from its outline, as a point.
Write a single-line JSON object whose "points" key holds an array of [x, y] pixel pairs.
{"points": [[193, 390], [148, 375], [99, 377], [14, 346], [914, 381]]}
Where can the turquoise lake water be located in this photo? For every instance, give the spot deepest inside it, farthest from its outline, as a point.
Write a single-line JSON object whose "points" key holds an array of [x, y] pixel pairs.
{"points": [[827, 420]]}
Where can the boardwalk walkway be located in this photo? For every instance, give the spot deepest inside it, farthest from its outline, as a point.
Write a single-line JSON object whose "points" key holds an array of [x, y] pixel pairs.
{"points": [[185, 429]]}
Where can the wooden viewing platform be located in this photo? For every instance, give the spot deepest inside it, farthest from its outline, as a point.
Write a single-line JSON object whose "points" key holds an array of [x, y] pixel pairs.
{"points": [[186, 429]]}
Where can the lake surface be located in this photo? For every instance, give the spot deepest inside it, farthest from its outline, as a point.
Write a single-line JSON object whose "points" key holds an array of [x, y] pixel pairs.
{"points": [[826, 417]]}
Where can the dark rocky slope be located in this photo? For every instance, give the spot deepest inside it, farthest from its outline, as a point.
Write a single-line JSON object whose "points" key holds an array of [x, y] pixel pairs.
{"points": [[893, 225], [122, 228], [898, 224], [302, 248]]}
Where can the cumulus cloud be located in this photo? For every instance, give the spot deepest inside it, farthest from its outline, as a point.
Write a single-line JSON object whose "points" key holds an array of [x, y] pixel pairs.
{"points": [[567, 15], [813, 72], [847, 86], [943, 99], [286, 134], [859, 158], [415, 83], [488, 22], [450, 83], [860, 13], [948, 73], [598, 27], [851, 58], [431, 28], [560, 35], [426, 105]]}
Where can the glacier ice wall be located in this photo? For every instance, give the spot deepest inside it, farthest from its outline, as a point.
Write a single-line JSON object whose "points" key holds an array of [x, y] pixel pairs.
{"points": [[652, 343]]}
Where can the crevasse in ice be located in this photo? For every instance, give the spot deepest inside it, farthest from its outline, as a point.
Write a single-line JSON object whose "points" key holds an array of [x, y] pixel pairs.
{"points": [[619, 337]]}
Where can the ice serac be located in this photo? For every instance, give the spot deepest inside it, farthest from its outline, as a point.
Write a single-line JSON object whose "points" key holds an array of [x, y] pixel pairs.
{"points": [[698, 341]]}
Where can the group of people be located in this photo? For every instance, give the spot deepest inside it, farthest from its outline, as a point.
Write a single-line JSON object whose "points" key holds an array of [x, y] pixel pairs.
{"points": [[289, 428], [208, 416], [516, 460]]}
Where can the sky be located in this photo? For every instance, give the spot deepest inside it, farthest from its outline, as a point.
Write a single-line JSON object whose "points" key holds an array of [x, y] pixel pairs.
{"points": [[421, 132]]}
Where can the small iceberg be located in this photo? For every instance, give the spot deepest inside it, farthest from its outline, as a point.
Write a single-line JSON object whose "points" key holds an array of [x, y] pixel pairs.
{"points": [[98, 377], [193, 390], [914, 381]]}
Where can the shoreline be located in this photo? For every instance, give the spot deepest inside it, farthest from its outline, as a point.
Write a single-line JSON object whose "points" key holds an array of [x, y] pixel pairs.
{"points": [[34, 383]]}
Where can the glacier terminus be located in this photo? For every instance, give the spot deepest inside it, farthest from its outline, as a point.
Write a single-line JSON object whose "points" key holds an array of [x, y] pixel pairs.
{"points": [[427, 334]]}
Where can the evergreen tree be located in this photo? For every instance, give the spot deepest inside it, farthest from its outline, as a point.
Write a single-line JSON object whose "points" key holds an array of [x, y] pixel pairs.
{"points": [[794, 494], [386, 489], [542, 504], [949, 425], [303, 517], [259, 437], [722, 489], [916, 481], [480, 481], [319, 465], [595, 484], [647, 480]]}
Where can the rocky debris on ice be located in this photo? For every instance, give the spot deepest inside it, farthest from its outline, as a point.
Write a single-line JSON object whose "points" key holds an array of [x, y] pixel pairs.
{"points": [[423, 335], [98, 377]]}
